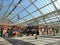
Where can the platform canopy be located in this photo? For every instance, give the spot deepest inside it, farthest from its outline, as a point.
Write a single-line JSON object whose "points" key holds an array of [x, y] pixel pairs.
{"points": [[30, 12]]}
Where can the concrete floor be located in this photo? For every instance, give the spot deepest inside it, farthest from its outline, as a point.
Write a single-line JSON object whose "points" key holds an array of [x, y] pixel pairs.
{"points": [[29, 40]]}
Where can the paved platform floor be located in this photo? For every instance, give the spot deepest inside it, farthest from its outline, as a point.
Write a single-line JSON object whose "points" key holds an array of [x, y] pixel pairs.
{"points": [[40, 40], [4, 42], [29, 40]]}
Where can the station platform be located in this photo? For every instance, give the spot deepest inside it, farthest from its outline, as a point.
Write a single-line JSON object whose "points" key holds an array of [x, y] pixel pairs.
{"points": [[30, 40], [4, 42]]}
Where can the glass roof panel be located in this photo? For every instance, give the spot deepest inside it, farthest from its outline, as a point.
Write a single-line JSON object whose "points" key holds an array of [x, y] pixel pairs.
{"points": [[40, 4], [7, 2], [41, 22], [11, 8], [18, 9], [30, 9], [4, 9], [57, 3], [36, 14], [53, 20], [48, 21], [22, 20], [44, 10], [0, 2], [28, 18], [15, 19], [1, 14], [12, 15], [37, 3], [48, 9], [51, 15], [25, 3], [44, 2], [24, 13], [58, 16], [15, 2]]}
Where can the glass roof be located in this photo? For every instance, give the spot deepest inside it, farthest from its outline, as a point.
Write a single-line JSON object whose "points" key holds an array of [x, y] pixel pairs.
{"points": [[20, 11]]}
